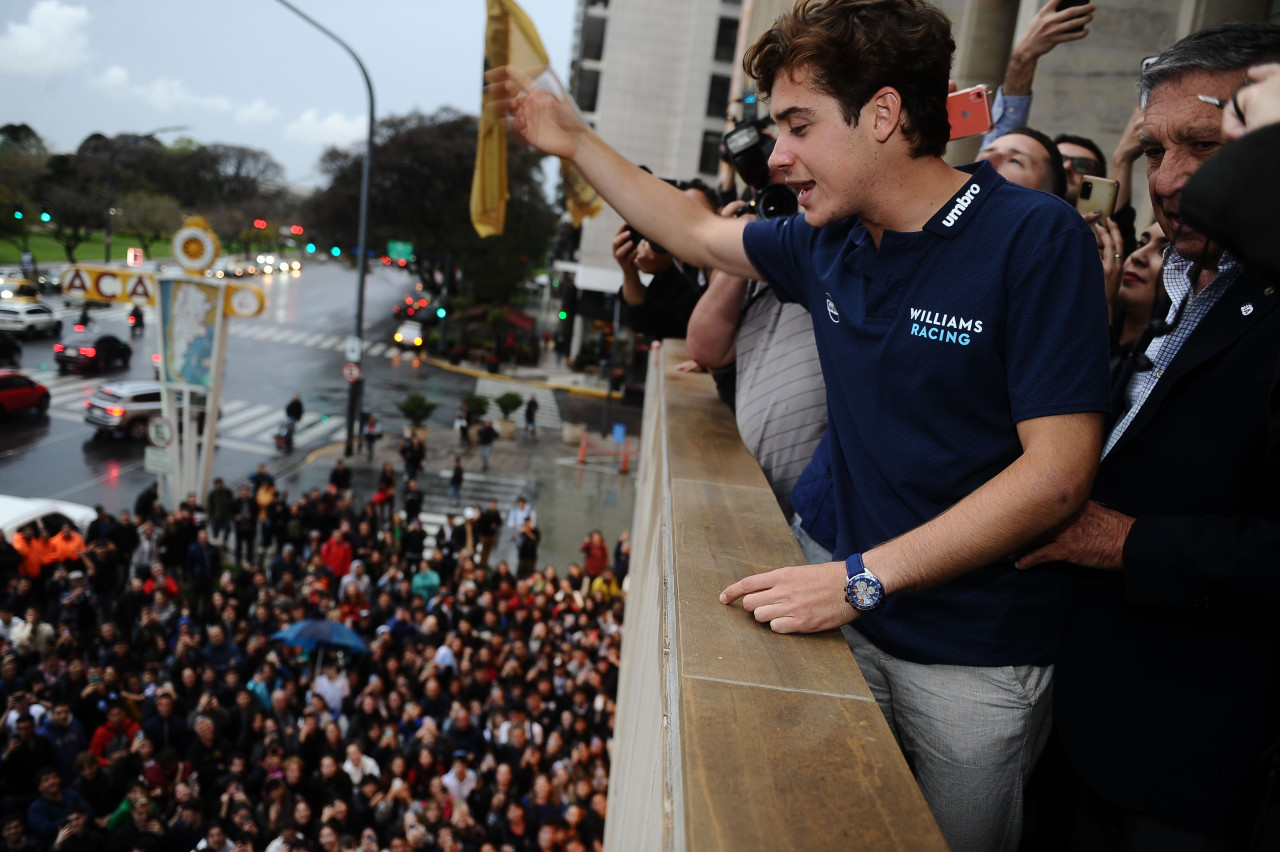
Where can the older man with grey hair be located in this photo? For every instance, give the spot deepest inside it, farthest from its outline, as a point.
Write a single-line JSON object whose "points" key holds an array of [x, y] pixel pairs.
{"points": [[1168, 692]]}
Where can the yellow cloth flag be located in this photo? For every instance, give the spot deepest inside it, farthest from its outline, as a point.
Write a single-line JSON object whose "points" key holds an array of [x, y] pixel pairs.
{"points": [[510, 39]]}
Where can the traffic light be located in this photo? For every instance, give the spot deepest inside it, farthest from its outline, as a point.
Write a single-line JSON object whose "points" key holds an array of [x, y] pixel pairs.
{"points": [[296, 230], [311, 248], [260, 224], [564, 315], [17, 211], [335, 251], [441, 312], [44, 214]]}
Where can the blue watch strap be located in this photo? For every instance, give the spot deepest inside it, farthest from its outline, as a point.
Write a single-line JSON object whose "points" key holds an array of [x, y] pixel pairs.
{"points": [[853, 565]]}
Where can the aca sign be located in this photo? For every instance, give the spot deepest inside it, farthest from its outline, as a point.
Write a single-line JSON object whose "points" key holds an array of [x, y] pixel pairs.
{"points": [[109, 284]]}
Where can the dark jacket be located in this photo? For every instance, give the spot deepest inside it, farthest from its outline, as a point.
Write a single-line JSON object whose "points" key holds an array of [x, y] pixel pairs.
{"points": [[1168, 685]]}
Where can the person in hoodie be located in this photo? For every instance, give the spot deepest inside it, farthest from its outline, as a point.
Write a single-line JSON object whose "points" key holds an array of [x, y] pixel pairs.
{"points": [[113, 738], [66, 738]]}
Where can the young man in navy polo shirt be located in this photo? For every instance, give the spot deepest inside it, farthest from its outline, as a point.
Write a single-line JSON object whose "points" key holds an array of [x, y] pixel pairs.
{"points": [[961, 324]]}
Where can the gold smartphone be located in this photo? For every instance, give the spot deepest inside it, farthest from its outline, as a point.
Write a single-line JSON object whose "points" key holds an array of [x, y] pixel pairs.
{"points": [[1097, 193]]}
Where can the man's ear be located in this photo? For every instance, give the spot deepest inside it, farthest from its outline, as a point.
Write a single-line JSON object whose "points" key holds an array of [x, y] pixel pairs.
{"points": [[887, 106]]}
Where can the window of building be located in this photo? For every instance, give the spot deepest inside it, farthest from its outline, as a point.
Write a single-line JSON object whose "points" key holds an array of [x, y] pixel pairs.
{"points": [[588, 89], [592, 37], [726, 39], [718, 96], [709, 158]]}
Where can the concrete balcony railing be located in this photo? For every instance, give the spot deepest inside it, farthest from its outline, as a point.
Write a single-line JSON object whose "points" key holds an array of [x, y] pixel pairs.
{"points": [[728, 736]]}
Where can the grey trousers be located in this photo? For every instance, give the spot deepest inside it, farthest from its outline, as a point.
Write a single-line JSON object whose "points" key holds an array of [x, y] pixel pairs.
{"points": [[972, 735]]}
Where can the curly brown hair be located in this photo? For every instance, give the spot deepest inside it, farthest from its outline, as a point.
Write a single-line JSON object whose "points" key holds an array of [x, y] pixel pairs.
{"points": [[852, 48]]}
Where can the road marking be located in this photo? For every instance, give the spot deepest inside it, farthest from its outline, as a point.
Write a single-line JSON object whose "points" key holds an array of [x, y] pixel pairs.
{"points": [[377, 349], [313, 433], [253, 411]]}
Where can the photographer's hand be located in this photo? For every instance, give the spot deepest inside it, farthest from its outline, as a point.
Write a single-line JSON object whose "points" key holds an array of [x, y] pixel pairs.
{"points": [[652, 262]]}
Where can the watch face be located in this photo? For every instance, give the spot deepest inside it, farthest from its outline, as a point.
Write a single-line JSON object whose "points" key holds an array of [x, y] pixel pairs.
{"points": [[863, 592]]}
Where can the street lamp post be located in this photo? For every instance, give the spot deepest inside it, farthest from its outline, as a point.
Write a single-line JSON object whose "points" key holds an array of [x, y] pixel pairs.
{"points": [[356, 387], [132, 139]]}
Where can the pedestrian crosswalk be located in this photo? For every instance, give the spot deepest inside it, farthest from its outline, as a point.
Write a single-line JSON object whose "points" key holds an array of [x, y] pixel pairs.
{"points": [[275, 333], [548, 411], [477, 490], [245, 426]]}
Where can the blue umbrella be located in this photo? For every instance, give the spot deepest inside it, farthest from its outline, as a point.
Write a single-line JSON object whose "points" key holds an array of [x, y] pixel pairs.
{"points": [[320, 633]]}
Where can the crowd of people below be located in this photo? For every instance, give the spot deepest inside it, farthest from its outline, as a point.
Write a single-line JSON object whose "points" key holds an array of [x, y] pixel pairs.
{"points": [[150, 707]]}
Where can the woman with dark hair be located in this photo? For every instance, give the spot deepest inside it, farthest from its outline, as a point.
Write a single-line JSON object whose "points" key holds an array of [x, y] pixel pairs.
{"points": [[1141, 291]]}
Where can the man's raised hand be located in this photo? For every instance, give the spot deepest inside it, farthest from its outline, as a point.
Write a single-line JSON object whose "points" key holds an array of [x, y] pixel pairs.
{"points": [[535, 115]]}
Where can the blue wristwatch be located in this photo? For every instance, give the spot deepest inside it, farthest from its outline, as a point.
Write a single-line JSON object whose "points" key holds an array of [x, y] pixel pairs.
{"points": [[863, 589]]}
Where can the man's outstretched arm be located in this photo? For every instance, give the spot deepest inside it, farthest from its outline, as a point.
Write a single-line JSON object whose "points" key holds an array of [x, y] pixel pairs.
{"points": [[657, 209]]}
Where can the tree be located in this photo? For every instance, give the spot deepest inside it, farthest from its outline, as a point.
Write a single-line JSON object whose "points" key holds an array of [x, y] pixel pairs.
{"points": [[75, 215], [244, 173], [420, 191], [73, 199], [22, 162], [149, 217], [21, 140]]}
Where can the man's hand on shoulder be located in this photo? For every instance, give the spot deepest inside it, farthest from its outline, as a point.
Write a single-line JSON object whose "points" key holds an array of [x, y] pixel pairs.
{"points": [[795, 599], [1093, 539]]}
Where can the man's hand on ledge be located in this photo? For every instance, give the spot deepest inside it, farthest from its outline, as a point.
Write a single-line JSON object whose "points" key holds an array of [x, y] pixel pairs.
{"points": [[795, 599], [1094, 539]]}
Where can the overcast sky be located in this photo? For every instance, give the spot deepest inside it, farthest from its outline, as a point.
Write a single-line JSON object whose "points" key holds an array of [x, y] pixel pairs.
{"points": [[246, 72]]}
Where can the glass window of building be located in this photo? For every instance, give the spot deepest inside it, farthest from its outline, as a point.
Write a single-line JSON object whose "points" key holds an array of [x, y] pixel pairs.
{"points": [[709, 158], [718, 96], [726, 39], [592, 37], [588, 89]]}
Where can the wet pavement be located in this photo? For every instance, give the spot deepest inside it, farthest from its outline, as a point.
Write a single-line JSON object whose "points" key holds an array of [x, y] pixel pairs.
{"points": [[571, 499]]}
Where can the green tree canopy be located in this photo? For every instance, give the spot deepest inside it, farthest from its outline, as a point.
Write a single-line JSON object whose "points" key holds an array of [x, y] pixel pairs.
{"points": [[149, 217], [420, 192]]}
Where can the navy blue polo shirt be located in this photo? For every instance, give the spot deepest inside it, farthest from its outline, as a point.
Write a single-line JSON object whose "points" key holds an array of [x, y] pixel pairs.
{"points": [[933, 350]]}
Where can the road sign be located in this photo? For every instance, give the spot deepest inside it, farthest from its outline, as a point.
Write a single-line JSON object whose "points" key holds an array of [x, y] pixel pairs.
{"points": [[160, 431], [351, 371], [353, 348], [399, 250], [156, 460]]}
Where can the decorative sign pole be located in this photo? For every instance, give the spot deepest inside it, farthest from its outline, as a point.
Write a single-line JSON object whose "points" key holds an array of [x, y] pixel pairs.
{"points": [[191, 334]]}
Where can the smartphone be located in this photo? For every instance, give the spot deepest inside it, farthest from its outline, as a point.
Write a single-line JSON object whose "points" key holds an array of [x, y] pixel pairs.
{"points": [[968, 112], [1067, 4], [1097, 193]]}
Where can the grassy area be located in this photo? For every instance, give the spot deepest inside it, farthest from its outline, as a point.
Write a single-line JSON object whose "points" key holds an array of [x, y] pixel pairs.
{"points": [[91, 250], [48, 251]]}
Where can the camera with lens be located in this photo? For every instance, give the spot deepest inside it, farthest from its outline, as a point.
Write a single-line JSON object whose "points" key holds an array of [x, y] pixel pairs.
{"points": [[747, 149]]}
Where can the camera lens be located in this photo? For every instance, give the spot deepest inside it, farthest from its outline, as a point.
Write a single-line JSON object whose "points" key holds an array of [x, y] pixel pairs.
{"points": [[776, 200]]}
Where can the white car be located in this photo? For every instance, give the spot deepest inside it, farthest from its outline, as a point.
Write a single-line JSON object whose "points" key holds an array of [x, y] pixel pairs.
{"points": [[28, 318], [409, 335], [129, 406], [17, 512]]}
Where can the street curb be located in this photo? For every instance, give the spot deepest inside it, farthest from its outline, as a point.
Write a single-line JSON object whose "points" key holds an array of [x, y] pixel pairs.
{"points": [[551, 385]]}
